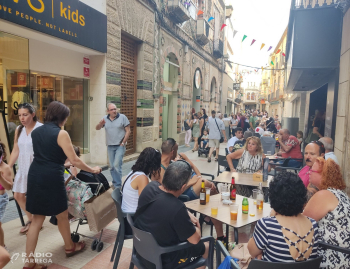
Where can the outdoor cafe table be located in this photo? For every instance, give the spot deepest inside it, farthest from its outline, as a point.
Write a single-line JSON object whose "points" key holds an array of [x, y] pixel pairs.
{"points": [[241, 179], [224, 212]]}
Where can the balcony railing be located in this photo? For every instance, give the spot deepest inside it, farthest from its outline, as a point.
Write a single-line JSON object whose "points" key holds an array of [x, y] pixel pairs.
{"points": [[204, 32], [177, 11], [218, 48]]}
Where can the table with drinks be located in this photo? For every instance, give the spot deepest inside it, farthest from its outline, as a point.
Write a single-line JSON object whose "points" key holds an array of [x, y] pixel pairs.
{"points": [[233, 210], [241, 179]]}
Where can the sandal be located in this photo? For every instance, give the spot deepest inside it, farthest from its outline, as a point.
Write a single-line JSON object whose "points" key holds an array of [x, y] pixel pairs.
{"points": [[42, 266], [73, 251], [25, 229], [216, 159]]}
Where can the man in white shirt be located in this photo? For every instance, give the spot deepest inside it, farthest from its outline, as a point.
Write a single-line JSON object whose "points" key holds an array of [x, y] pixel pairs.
{"points": [[329, 145], [216, 127], [233, 140]]}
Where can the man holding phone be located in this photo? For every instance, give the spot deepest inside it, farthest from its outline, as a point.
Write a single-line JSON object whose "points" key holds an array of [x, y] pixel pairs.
{"points": [[117, 128]]}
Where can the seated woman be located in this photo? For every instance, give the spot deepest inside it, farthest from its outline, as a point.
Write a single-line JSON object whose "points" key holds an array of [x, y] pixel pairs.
{"points": [[250, 161], [146, 168], [330, 206], [287, 235]]}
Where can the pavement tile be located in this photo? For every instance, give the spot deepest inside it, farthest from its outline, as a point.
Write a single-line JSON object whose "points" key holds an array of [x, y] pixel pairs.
{"points": [[108, 236]]}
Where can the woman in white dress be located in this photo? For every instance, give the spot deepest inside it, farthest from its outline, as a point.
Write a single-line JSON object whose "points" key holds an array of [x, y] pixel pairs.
{"points": [[23, 152]]}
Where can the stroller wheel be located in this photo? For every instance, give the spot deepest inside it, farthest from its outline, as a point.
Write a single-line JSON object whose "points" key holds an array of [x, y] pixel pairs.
{"points": [[99, 246], [75, 237], [94, 244]]}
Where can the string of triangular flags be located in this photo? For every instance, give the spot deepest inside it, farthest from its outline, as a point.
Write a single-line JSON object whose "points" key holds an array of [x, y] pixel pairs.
{"points": [[200, 12]]}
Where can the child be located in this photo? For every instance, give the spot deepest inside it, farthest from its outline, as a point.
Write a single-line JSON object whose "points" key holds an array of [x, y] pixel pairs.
{"points": [[6, 183], [300, 137], [205, 139]]}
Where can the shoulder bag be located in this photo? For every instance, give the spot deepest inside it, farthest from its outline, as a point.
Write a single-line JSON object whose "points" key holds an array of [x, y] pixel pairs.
{"points": [[221, 138]]}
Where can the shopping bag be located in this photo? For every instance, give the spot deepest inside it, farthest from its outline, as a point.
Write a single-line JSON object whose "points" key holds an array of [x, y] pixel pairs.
{"points": [[100, 211], [78, 193], [226, 263], [241, 253]]}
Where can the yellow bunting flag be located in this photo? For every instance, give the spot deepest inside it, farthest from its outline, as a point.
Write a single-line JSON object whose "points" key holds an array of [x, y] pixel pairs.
{"points": [[262, 45]]}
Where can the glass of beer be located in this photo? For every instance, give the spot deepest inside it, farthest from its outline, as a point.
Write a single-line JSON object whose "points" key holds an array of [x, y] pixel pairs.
{"points": [[207, 194], [214, 210], [234, 211]]}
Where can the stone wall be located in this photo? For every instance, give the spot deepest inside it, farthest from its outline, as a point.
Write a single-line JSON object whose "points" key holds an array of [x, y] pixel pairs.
{"points": [[342, 134]]}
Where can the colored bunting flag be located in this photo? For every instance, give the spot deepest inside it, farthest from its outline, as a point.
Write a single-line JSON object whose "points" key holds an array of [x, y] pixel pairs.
{"points": [[211, 18], [269, 48], [283, 54], [253, 42], [187, 4], [278, 51], [244, 37], [262, 68], [272, 63], [223, 26], [234, 33], [262, 45], [200, 12]]}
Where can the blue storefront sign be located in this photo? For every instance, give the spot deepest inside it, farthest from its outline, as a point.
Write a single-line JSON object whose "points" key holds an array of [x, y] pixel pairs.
{"points": [[70, 20]]}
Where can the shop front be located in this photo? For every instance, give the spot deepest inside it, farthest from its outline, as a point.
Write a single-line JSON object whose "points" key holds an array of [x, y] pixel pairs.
{"points": [[45, 57]]}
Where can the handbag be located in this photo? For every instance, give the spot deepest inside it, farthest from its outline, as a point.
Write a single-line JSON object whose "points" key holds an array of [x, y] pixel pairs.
{"points": [[100, 211], [221, 138], [241, 253]]}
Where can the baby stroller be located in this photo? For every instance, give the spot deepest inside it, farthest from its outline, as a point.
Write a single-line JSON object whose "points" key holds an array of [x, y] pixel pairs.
{"points": [[203, 150], [79, 190]]}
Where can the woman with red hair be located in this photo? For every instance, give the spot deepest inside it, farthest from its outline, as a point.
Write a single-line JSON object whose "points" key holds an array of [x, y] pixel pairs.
{"points": [[330, 206]]}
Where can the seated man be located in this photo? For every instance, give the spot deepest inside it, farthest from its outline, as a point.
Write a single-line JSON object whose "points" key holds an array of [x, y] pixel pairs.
{"points": [[167, 219], [238, 136], [193, 187], [289, 148], [329, 147], [169, 155], [240, 143]]}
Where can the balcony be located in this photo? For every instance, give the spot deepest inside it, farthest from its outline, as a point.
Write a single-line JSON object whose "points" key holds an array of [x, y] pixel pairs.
{"points": [[177, 11], [309, 64], [218, 49], [204, 32]]}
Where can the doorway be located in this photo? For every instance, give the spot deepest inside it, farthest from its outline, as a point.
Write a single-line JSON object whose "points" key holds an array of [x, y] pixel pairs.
{"points": [[170, 95], [129, 88], [197, 86]]}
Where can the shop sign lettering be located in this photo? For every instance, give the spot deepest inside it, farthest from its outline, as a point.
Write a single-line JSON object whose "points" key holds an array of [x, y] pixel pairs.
{"points": [[70, 20]]}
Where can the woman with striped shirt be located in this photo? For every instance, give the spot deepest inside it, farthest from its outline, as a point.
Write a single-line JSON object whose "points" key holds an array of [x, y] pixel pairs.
{"points": [[288, 235]]}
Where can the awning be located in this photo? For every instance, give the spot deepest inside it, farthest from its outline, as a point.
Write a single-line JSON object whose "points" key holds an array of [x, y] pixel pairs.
{"points": [[262, 101]]}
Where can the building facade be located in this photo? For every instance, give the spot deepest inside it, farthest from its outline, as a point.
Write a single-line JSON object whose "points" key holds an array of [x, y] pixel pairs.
{"points": [[55, 51], [163, 59], [320, 73]]}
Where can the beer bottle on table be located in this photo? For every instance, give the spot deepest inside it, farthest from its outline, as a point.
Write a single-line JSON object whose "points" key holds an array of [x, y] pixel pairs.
{"points": [[202, 198], [233, 190], [245, 206]]}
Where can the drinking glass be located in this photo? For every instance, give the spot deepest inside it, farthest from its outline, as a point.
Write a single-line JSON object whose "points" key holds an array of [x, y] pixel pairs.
{"points": [[214, 210], [234, 211], [207, 194]]}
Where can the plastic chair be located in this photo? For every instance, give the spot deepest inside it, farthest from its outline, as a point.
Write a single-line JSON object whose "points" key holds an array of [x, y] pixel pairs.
{"points": [[147, 247], [220, 249], [309, 264], [335, 248], [222, 162], [119, 241]]}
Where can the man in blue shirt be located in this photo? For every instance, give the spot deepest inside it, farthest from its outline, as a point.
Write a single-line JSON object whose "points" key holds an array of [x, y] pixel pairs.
{"points": [[117, 128]]}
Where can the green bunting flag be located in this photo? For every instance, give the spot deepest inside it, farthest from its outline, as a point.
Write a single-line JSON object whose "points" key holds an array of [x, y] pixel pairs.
{"points": [[272, 63], [244, 37]]}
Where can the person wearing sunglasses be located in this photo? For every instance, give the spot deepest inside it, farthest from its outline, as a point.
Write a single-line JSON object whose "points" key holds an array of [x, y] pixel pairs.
{"points": [[23, 153], [313, 150], [330, 207]]}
